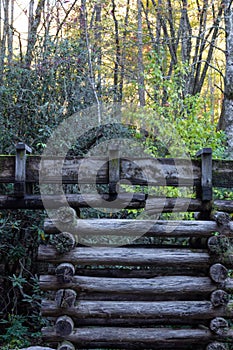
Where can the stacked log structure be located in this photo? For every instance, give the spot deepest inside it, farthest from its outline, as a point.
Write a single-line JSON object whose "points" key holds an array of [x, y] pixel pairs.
{"points": [[155, 309], [140, 295]]}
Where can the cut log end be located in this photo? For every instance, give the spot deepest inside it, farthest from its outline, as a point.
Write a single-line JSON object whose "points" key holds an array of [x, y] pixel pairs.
{"points": [[218, 244], [217, 346], [65, 298], [222, 218], [63, 242], [219, 326], [66, 345], [66, 216], [218, 273], [64, 325], [65, 272], [219, 297]]}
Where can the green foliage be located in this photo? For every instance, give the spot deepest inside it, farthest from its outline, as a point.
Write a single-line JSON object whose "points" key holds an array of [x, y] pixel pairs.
{"points": [[178, 124], [21, 297]]}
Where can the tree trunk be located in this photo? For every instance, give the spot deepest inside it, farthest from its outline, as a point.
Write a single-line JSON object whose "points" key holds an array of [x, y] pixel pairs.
{"points": [[226, 119], [141, 83]]}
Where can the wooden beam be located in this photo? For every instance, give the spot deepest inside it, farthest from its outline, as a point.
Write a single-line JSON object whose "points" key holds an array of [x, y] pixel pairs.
{"points": [[158, 337], [126, 256], [142, 309], [176, 174], [128, 201], [168, 286], [134, 228]]}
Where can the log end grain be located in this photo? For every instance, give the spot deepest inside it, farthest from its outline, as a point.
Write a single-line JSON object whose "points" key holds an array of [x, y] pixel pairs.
{"points": [[64, 325], [218, 273], [219, 326], [65, 272]]}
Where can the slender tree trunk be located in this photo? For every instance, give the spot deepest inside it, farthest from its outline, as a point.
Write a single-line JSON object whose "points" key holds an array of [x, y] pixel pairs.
{"points": [[32, 34], [123, 52], [141, 82], [5, 36], [98, 40], [226, 119], [10, 32], [117, 54], [91, 76]]}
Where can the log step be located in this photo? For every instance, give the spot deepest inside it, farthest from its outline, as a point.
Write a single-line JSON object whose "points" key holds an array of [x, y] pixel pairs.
{"points": [[124, 338], [166, 286], [126, 256], [134, 310]]}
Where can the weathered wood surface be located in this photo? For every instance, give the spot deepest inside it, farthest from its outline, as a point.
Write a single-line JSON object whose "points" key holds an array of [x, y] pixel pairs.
{"points": [[65, 298], [20, 169], [65, 273], [64, 325], [206, 173], [126, 256], [157, 337], [131, 309], [166, 286], [152, 206], [219, 297], [114, 168], [147, 170], [38, 348], [66, 346], [218, 273], [217, 346], [124, 200], [219, 326], [141, 170], [127, 227]]}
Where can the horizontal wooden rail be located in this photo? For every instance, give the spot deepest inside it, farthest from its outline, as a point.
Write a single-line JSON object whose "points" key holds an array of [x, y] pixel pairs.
{"points": [[124, 200], [139, 171], [126, 256], [167, 286], [157, 338], [133, 228], [153, 205]]}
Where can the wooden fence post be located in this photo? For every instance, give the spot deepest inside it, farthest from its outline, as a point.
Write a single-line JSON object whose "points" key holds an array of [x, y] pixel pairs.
{"points": [[20, 169], [206, 191], [114, 169]]}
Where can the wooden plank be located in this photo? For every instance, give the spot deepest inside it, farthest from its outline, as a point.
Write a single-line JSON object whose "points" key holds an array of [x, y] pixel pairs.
{"points": [[126, 256], [138, 171], [135, 228]]}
